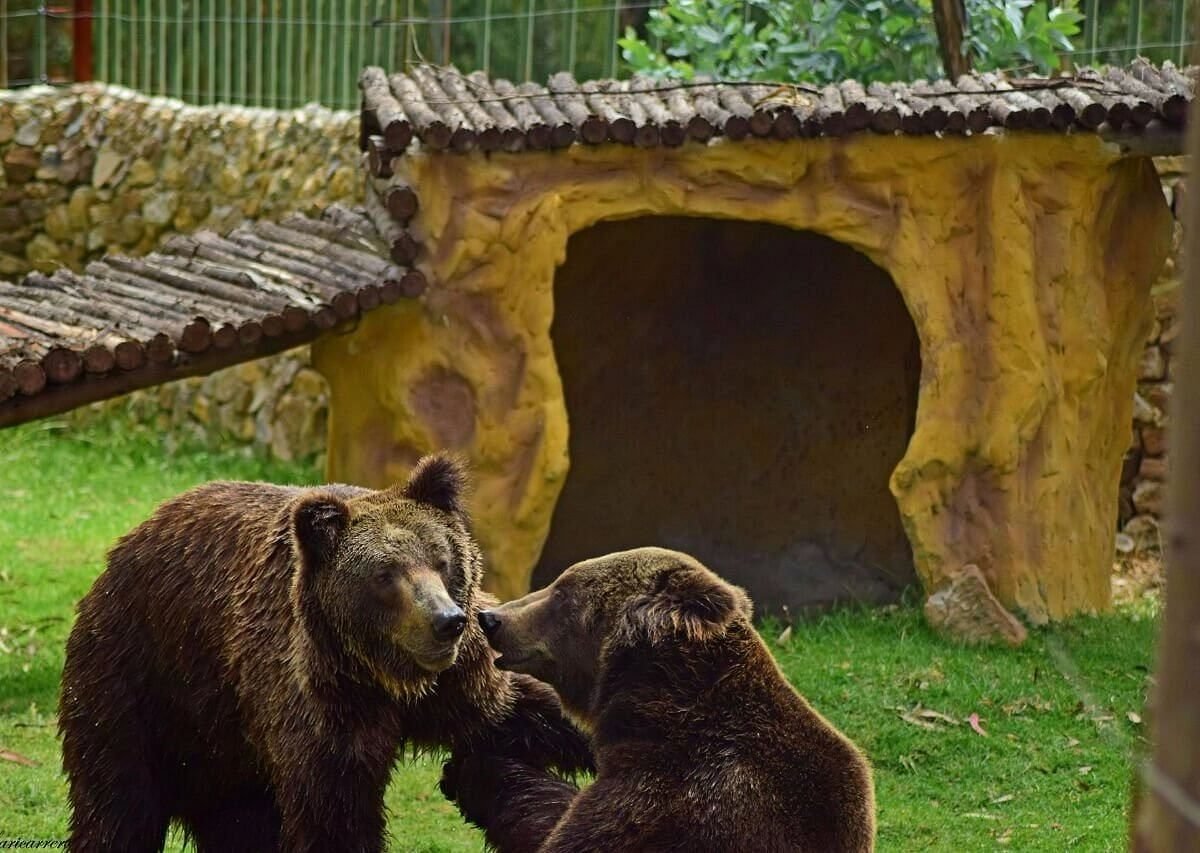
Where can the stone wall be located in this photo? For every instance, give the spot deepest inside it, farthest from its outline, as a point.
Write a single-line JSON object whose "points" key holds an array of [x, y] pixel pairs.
{"points": [[92, 169], [1143, 490]]}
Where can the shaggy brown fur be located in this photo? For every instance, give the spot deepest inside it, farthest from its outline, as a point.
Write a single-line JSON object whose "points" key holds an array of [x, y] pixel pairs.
{"points": [[701, 744], [255, 656]]}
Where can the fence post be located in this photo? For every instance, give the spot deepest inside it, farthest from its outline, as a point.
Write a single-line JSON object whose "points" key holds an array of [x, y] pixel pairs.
{"points": [[81, 37]]}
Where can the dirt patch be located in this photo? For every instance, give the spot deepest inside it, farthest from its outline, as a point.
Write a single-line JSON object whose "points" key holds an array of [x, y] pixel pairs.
{"points": [[1138, 578]]}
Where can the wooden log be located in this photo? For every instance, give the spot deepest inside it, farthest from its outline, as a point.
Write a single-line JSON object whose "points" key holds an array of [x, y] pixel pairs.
{"points": [[368, 298], [295, 319], [62, 365], [160, 349], [196, 336], [537, 132], [1175, 97], [405, 249], [379, 159], [737, 125], [401, 203], [1089, 114], [462, 134], [1148, 102], [1062, 114], [368, 262], [645, 134], [388, 114], [412, 284], [272, 325], [462, 92], [129, 355], [330, 263], [512, 136], [562, 132], [908, 121], [345, 305], [592, 128], [98, 359], [975, 115], [858, 105], [8, 383], [30, 377], [620, 127], [249, 333], [272, 265], [339, 233], [932, 116], [196, 278], [427, 124], [710, 115], [671, 131], [225, 336]]}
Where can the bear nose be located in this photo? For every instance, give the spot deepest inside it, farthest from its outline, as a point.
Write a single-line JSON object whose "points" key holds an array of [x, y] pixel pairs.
{"points": [[489, 622], [449, 624]]}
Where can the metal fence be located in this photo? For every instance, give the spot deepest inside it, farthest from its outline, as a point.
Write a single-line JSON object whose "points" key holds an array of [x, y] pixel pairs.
{"points": [[285, 53]]}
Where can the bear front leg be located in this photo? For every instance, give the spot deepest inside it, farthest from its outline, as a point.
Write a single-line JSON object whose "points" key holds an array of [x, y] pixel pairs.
{"points": [[328, 800], [516, 806], [536, 732]]}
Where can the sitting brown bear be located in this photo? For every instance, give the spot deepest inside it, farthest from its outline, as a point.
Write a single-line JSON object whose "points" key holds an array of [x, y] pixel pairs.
{"points": [[255, 656], [701, 745]]}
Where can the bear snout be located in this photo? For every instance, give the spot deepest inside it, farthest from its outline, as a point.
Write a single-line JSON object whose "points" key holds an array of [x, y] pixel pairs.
{"points": [[449, 624], [489, 622]]}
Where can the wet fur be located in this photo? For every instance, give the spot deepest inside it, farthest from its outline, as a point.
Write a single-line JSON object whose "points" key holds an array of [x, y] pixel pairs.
{"points": [[206, 683], [701, 744]]}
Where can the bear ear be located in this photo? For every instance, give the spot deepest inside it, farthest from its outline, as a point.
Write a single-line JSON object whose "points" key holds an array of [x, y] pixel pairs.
{"points": [[690, 602], [438, 480], [319, 521]]}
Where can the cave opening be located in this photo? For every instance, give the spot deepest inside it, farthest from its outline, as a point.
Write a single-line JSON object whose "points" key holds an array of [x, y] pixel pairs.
{"points": [[740, 391]]}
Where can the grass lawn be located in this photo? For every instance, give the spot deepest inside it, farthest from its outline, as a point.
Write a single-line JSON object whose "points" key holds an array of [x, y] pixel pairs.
{"points": [[1052, 772]]}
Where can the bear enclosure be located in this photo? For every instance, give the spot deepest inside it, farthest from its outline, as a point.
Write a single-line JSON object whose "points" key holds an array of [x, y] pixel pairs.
{"points": [[731, 348], [738, 391]]}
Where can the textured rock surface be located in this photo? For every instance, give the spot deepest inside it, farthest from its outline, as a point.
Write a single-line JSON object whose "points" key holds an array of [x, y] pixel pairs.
{"points": [[279, 404], [1025, 264], [93, 168], [966, 610]]}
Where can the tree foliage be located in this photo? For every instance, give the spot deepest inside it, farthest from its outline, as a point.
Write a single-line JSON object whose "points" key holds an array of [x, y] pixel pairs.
{"points": [[823, 40]]}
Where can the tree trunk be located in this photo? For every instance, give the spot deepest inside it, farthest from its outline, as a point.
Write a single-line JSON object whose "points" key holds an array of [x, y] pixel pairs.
{"points": [[1168, 817], [950, 18]]}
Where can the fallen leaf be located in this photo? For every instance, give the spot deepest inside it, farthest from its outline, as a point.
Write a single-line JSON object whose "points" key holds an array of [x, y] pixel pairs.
{"points": [[1072, 743], [975, 727], [1085, 770], [1134, 718], [784, 636], [916, 721], [928, 714], [17, 758], [1005, 799], [982, 816]]}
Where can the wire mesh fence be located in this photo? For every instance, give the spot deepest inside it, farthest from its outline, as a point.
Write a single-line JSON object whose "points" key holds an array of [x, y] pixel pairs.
{"points": [[286, 53]]}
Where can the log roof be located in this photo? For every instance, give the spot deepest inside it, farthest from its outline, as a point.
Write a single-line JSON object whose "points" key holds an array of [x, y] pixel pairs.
{"points": [[200, 303], [448, 110]]}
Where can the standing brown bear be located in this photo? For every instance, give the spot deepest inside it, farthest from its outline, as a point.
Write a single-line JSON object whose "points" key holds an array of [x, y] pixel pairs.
{"points": [[701, 744], [255, 656]]}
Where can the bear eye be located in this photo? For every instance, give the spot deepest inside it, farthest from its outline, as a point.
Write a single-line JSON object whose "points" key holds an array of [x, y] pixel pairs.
{"points": [[442, 564], [383, 577]]}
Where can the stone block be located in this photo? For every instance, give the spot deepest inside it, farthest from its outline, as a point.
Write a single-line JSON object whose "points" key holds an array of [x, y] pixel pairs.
{"points": [[1154, 440], [1152, 367], [20, 164], [1153, 468], [1149, 498], [967, 611]]}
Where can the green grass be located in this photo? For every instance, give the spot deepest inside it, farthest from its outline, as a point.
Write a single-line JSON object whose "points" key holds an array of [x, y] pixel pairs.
{"points": [[1051, 774]]}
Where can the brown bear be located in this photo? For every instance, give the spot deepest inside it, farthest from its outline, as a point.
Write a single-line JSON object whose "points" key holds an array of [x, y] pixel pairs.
{"points": [[700, 742], [254, 658]]}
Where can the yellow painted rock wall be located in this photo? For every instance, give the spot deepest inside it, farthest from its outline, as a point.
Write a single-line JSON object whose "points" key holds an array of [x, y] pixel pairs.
{"points": [[1024, 260]]}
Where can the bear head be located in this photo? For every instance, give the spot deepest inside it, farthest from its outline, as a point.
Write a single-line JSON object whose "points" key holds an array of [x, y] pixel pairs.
{"points": [[563, 634], [387, 577]]}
